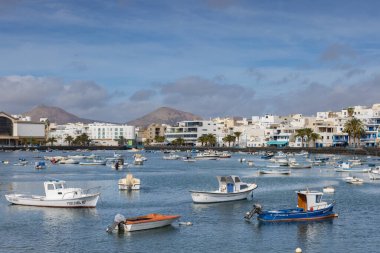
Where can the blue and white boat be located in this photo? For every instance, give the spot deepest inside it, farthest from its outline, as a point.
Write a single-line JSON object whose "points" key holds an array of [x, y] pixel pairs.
{"points": [[310, 207]]}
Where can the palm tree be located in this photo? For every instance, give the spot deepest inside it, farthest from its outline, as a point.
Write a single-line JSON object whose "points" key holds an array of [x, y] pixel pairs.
{"points": [[159, 139], [300, 133], [314, 137], [178, 142], [51, 140], [229, 139], [238, 134], [355, 129], [211, 139], [69, 139], [121, 141], [350, 112], [203, 139]]}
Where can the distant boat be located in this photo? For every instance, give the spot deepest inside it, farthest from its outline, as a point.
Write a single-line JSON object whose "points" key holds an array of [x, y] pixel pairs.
{"points": [[275, 171], [188, 159], [231, 188], [354, 180], [171, 157], [310, 207], [295, 165], [40, 165], [207, 155], [138, 160], [56, 195], [93, 162], [328, 189], [148, 221], [374, 174]]}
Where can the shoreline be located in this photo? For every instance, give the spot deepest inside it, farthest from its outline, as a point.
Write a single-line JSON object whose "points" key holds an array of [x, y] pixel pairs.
{"points": [[375, 151]]}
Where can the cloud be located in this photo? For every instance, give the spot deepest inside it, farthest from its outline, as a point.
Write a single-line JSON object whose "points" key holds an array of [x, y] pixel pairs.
{"points": [[257, 74], [337, 52], [208, 98], [317, 97], [142, 95], [21, 93]]}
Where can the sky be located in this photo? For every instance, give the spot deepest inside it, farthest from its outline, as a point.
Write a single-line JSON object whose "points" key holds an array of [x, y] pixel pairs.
{"points": [[117, 60]]}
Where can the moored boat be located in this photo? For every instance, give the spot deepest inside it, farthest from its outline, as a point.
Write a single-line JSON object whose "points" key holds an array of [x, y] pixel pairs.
{"points": [[353, 180], [310, 207], [138, 160], [275, 171], [231, 188], [148, 221], [40, 165], [129, 183], [328, 189], [374, 173], [57, 195]]}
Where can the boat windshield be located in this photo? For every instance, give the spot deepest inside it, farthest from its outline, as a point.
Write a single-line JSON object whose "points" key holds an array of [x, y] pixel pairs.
{"points": [[318, 199], [237, 180], [59, 186]]}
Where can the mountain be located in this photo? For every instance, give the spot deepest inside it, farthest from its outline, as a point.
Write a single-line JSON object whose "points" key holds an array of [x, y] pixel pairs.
{"points": [[55, 115], [164, 115]]}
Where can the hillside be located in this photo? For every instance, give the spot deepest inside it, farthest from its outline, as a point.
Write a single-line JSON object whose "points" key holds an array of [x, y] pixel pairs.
{"points": [[54, 114], [163, 115]]}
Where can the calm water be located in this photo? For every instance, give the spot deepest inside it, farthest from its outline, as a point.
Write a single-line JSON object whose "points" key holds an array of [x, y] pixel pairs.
{"points": [[165, 186]]}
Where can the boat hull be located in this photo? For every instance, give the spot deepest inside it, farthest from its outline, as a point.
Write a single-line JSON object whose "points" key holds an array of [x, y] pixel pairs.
{"points": [[290, 215], [85, 201], [216, 197], [129, 187], [149, 225]]}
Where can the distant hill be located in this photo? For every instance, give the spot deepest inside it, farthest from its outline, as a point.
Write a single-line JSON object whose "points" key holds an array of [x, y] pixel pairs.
{"points": [[163, 115], [55, 115]]}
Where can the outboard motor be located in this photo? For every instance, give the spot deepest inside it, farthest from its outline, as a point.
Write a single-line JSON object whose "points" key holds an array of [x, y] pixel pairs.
{"points": [[256, 209], [118, 221]]}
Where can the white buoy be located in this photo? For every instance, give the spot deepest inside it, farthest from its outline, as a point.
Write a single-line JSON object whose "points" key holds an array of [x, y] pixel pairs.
{"points": [[298, 250]]}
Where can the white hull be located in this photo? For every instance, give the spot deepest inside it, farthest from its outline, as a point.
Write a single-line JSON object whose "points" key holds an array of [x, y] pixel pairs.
{"points": [[216, 196], [353, 170], [129, 187], [148, 225], [20, 199], [283, 172], [374, 175]]}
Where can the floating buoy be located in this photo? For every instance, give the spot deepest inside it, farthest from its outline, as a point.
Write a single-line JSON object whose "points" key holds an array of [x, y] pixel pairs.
{"points": [[298, 250]]}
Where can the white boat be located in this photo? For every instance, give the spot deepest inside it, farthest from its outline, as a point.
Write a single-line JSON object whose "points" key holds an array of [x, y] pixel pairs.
{"points": [[68, 161], [346, 167], [374, 174], [282, 161], [171, 157], [275, 171], [230, 188], [93, 162], [250, 163], [57, 195], [77, 157], [354, 180], [328, 189], [188, 159], [207, 155], [138, 160], [225, 155], [296, 165], [129, 183], [149, 221]]}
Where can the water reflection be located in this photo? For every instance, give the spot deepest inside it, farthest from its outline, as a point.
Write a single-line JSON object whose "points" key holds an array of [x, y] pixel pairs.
{"points": [[130, 194]]}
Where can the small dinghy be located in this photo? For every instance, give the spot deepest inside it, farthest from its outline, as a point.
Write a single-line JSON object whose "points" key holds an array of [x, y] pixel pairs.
{"points": [[275, 171], [40, 165], [138, 160], [353, 180], [57, 195], [230, 188], [328, 189], [148, 221], [117, 164], [310, 207], [129, 183]]}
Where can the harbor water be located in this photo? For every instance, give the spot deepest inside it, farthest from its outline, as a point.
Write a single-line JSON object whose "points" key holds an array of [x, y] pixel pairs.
{"points": [[165, 186]]}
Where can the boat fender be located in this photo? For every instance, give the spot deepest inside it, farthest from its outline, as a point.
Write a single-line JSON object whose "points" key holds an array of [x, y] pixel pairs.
{"points": [[311, 209]]}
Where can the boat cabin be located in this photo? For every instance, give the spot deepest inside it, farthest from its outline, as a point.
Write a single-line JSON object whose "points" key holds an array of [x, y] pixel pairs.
{"points": [[231, 184], [56, 189], [311, 200]]}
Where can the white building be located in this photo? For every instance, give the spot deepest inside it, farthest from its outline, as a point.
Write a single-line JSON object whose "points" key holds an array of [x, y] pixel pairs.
{"points": [[61, 132], [105, 134]]}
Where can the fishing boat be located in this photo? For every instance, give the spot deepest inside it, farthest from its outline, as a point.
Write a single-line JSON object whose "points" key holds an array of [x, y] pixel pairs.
{"points": [[118, 163], [207, 155], [230, 188], [310, 207], [296, 165], [57, 195], [129, 183], [374, 173], [40, 165], [275, 171], [353, 180], [328, 189], [149, 221]]}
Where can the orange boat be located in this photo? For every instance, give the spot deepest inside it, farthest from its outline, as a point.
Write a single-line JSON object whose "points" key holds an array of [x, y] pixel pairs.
{"points": [[148, 221]]}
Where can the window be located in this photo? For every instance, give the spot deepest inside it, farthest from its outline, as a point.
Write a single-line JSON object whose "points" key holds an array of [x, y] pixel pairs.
{"points": [[50, 187], [59, 186], [318, 198]]}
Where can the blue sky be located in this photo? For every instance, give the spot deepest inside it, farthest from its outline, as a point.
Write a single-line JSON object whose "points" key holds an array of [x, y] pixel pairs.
{"points": [[117, 60]]}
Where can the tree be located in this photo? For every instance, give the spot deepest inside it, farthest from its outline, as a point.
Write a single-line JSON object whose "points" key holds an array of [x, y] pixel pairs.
{"points": [[238, 134], [211, 139], [350, 112], [69, 139], [300, 133], [51, 140], [203, 139], [178, 142], [314, 137], [159, 139], [305, 134], [82, 140], [121, 140], [354, 128], [229, 139], [147, 142]]}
